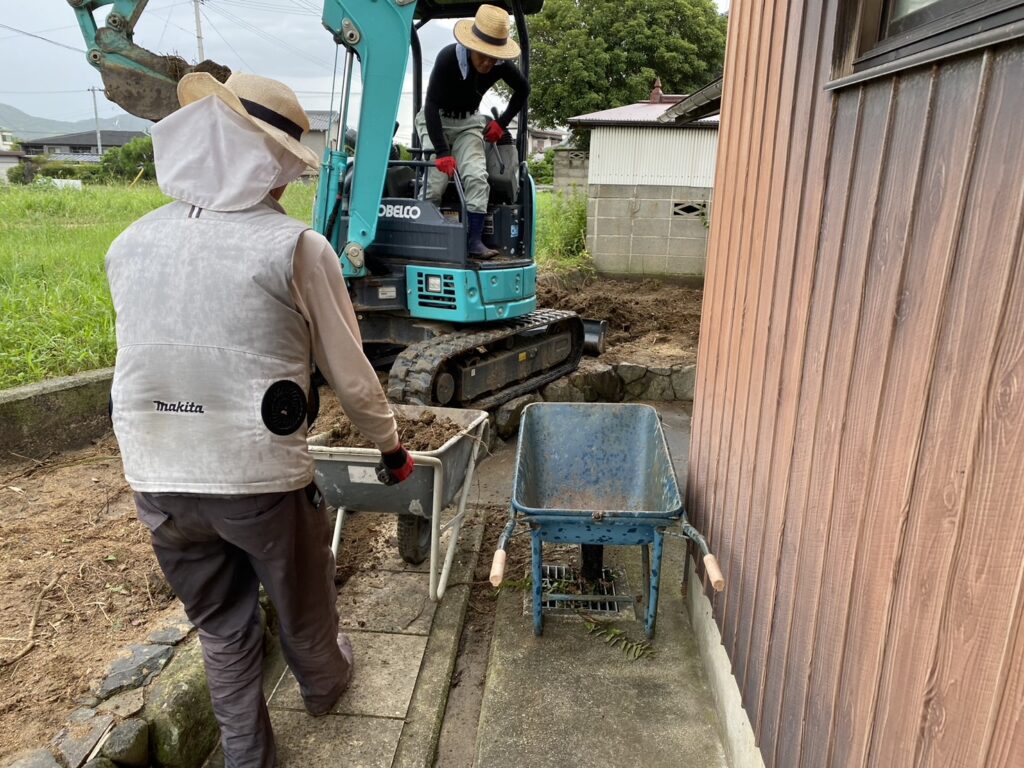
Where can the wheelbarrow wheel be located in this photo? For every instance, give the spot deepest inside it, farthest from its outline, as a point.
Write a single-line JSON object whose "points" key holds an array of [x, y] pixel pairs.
{"points": [[413, 538]]}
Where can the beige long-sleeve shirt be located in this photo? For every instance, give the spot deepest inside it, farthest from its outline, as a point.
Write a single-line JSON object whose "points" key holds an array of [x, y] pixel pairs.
{"points": [[321, 296]]}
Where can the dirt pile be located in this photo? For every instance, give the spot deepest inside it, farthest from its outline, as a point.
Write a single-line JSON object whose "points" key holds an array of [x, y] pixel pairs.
{"points": [[647, 320], [424, 434]]}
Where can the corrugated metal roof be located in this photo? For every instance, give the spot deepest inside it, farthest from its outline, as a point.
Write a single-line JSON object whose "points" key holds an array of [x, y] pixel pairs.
{"points": [[320, 119], [643, 113], [74, 157]]}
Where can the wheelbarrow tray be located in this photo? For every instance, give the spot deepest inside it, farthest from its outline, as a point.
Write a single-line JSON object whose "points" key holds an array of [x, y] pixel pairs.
{"points": [[347, 477], [606, 461]]}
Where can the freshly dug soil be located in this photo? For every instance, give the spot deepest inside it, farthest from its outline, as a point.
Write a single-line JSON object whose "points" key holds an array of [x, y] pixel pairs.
{"points": [[68, 520], [426, 434], [648, 321], [71, 516]]}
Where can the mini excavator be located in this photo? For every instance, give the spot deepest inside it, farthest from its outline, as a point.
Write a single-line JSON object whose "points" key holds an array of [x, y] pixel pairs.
{"points": [[452, 330]]}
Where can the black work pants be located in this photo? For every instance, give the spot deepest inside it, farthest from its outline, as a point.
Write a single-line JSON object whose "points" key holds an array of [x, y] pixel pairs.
{"points": [[215, 553]]}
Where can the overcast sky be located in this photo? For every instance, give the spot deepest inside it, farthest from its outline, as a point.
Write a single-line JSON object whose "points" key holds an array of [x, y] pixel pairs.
{"points": [[283, 39]]}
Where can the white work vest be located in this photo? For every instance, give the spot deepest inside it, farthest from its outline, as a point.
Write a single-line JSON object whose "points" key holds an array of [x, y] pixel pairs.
{"points": [[205, 326]]}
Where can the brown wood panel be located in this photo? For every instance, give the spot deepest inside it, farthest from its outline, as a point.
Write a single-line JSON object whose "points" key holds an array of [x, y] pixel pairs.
{"points": [[1007, 745], [838, 348], [852, 406], [811, 128], [970, 311], [727, 180], [968, 670], [929, 262], [785, 199], [834, 307], [766, 222], [748, 280], [721, 535]]}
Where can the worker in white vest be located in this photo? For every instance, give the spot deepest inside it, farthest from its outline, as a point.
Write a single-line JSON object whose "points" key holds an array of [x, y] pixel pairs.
{"points": [[223, 304]]}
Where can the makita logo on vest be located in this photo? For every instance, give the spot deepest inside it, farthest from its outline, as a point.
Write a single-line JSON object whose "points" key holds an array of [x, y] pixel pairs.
{"points": [[399, 211], [178, 407]]}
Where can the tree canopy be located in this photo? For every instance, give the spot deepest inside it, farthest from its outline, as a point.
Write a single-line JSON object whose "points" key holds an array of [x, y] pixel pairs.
{"points": [[589, 55], [126, 162]]}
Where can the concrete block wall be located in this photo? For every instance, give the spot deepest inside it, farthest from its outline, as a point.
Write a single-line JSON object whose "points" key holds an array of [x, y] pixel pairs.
{"points": [[571, 168], [638, 229]]}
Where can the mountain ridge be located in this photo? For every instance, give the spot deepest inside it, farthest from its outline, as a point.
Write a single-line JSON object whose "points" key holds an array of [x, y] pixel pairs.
{"points": [[30, 128]]}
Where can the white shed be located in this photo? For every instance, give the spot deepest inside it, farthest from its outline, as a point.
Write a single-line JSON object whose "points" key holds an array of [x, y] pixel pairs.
{"points": [[8, 159], [649, 188]]}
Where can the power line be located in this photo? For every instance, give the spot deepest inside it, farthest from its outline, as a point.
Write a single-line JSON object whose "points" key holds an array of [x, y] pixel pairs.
{"points": [[44, 39], [265, 35], [231, 47]]}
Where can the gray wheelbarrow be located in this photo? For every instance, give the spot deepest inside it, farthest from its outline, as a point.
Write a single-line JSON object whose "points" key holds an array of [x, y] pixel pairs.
{"points": [[348, 481]]}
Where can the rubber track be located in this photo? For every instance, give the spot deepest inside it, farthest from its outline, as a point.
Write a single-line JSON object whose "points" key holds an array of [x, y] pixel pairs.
{"points": [[412, 375]]}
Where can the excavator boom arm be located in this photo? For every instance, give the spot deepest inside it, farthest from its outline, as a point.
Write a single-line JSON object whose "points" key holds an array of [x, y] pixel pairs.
{"points": [[140, 81]]}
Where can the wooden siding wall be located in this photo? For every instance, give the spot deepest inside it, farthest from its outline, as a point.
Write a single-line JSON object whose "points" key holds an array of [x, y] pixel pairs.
{"points": [[857, 458]]}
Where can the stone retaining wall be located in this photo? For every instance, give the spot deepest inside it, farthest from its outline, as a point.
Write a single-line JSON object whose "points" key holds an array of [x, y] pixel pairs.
{"points": [[73, 407], [597, 382], [151, 708]]}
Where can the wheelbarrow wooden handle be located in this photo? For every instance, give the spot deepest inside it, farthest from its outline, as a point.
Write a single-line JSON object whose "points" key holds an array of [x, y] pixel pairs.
{"points": [[714, 572], [498, 568]]}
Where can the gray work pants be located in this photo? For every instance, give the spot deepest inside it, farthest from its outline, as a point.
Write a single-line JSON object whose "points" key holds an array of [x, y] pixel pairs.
{"points": [[215, 553], [466, 139]]}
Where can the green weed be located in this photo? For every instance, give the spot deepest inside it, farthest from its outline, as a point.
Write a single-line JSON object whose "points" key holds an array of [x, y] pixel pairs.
{"points": [[562, 233], [56, 316]]}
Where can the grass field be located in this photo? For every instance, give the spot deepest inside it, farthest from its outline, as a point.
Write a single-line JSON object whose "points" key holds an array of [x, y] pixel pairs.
{"points": [[55, 312]]}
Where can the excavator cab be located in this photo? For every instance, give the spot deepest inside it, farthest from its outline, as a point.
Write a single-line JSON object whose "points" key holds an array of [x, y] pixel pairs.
{"points": [[451, 330]]}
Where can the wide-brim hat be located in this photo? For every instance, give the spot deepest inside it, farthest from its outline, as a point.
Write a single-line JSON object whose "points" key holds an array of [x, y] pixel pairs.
{"points": [[487, 33], [269, 105]]}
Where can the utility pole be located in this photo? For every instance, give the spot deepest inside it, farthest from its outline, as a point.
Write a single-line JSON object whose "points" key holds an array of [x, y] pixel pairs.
{"points": [[199, 32], [96, 117]]}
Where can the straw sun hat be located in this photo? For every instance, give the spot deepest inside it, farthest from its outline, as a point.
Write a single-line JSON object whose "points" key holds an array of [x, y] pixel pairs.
{"points": [[488, 33], [269, 105]]}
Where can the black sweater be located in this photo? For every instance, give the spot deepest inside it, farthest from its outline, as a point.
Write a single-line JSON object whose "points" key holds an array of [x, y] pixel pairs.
{"points": [[448, 92]]}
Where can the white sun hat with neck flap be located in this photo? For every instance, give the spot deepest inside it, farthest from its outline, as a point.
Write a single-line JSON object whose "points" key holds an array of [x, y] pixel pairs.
{"points": [[271, 106], [230, 144]]}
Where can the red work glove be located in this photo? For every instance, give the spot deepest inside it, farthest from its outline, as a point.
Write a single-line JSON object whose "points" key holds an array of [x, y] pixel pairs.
{"points": [[494, 131], [394, 467], [446, 165]]}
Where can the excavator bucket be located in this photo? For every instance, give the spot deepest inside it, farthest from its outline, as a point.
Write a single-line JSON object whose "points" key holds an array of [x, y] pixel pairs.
{"points": [[141, 82]]}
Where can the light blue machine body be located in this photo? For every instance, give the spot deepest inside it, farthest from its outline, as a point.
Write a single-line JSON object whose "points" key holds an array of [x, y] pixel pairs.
{"points": [[468, 296]]}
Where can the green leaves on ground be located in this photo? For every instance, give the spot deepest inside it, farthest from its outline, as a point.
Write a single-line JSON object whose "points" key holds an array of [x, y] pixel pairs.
{"points": [[615, 637]]}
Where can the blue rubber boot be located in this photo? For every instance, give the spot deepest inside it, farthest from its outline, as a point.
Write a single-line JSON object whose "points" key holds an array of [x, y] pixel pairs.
{"points": [[477, 249]]}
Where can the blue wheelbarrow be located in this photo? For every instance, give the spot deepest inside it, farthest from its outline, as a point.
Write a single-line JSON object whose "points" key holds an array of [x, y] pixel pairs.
{"points": [[596, 474]]}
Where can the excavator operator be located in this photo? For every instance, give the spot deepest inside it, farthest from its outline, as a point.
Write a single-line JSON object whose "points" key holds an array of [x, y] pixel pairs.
{"points": [[450, 124]]}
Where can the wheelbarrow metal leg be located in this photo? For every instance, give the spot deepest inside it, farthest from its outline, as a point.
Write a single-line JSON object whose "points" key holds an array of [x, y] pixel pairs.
{"points": [[652, 597], [538, 616]]}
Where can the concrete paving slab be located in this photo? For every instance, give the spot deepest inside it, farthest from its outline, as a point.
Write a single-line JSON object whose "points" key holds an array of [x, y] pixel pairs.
{"points": [[386, 669], [333, 740], [386, 601], [568, 699]]}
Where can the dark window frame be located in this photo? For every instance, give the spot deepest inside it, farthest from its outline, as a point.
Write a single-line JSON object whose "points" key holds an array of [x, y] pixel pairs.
{"points": [[868, 45]]}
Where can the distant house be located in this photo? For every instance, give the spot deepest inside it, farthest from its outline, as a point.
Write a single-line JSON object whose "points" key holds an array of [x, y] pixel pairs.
{"points": [[8, 159], [542, 140], [83, 143], [6, 140], [649, 187], [323, 124]]}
